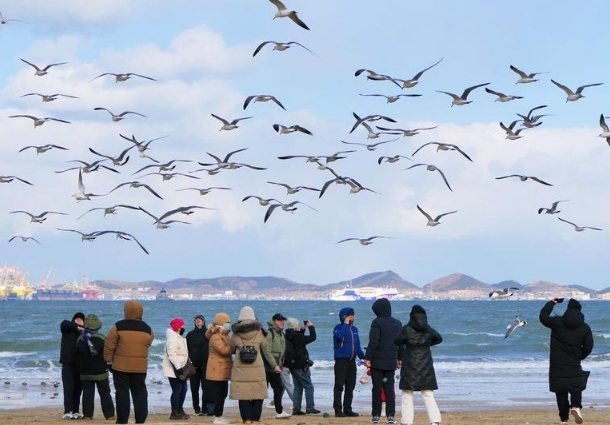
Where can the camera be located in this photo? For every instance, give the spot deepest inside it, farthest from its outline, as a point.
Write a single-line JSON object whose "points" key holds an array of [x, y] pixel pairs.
{"points": [[305, 322], [309, 362], [559, 300]]}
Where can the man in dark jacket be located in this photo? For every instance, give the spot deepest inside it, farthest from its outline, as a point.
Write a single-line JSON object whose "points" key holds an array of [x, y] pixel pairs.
{"points": [[383, 357], [199, 350], [571, 342], [68, 357], [346, 345], [126, 347]]}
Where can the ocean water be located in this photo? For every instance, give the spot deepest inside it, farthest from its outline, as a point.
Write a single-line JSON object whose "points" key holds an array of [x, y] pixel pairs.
{"points": [[476, 367]]}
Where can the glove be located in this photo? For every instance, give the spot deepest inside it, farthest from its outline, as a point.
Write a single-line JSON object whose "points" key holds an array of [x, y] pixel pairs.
{"points": [[179, 373]]}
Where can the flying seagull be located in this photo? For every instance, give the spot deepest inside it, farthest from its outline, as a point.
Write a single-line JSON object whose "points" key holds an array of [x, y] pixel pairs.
{"points": [[291, 190], [136, 185], [291, 207], [606, 133], [530, 120], [232, 125], [118, 117], [510, 133], [373, 76], [407, 84], [365, 241], [82, 195], [405, 132], [517, 323], [23, 238], [553, 209], [431, 167], [503, 293], [262, 98], [42, 71], [282, 129], [280, 47], [110, 210], [462, 100], [369, 118], [43, 148], [262, 201], [4, 21], [391, 159], [204, 190], [433, 221], [443, 147], [8, 179], [574, 96], [49, 97], [501, 96], [123, 77], [39, 121], [391, 98], [369, 147], [119, 160], [524, 178], [579, 228], [282, 12], [37, 218], [525, 78]]}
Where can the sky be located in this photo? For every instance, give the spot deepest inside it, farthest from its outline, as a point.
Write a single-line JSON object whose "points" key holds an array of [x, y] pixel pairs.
{"points": [[200, 55]]}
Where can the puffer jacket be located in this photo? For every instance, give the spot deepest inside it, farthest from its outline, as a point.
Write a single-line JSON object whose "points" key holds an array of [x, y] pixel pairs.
{"points": [[69, 335], [248, 380], [92, 366], [220, 360], [571, 342], [128, 341], [381, 350], [275, 349], [199, 347], [417, 370], [346, 340], [297, 355], [176, 353]]}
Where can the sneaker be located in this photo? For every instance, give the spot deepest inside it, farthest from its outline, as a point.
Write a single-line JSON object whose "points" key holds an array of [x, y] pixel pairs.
{"points": [[77, 415], [283, 415], [198, 413], [312, 411], [270, 405], [297, 412], [563, 423], [577, 415], [67, 416], [220, 420], [352, 414], [391, 419], [375, 420]]}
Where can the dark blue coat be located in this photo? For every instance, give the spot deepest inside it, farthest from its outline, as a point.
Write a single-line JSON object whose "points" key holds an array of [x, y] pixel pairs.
{"points": [[381, 350], [346, 341]]}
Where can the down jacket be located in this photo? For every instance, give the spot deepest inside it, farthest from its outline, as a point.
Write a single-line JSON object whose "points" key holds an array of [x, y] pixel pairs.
{"points": [[417, 370], [248, 380], [571, 342], [220, 360], [176, 353], [381, 350], [128, 341]]}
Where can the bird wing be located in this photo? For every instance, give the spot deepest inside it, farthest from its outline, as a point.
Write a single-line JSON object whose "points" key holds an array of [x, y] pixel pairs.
{"points": [[566, 221], [141, 76], [562, 87], [248, 99], [469, 89], [534, 109], [31, 64], [518, 71], [278, 4], [424, 213], [444, 178], [260, 46], [581, 88], [277, 101], [299, 44], [540, 181], [457, 148], [271, 208], [438, 217], [494, 92], [602, 123], [122, 114], [348, 239], [420, 73], [236, 120], [231, 153], [303, 130], [297, 20], [327, 184], [511, 328], [454, 96], [221, 119]]}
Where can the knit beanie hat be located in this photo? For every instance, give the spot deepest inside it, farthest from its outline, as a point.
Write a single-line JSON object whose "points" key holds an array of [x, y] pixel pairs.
{"points": [[574, 304], [246, 313], [92, 322], [78, 315], [293, 323], [417, 309], [221, 319], [176, 323]]}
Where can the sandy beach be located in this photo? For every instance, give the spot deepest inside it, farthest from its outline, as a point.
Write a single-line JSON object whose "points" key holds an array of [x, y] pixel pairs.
{"points": [[46, 415]]}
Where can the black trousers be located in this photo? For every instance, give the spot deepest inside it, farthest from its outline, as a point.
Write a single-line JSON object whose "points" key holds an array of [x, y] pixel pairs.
{"points": [[345, 377], [383, 379], [196, 383], [220, 390], [134, 384], [250, 410], [103, 389], [275, 380], [564, 403], [70, 380]]}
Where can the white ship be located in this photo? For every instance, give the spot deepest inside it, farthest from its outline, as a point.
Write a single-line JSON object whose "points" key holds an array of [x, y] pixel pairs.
{"points": [[363, 293]]}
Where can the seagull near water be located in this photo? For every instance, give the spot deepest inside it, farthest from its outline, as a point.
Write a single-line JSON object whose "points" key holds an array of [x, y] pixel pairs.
{"points": [[577, 227], [524, 178], [553, 209], [118, 117], [433, 221], [462, 100], [504, 293], [93, 235], [123, 77], [232, 125], [574, 96], [42, 71], [517, 323], [280, 47], [39, 121], [365, 241], [283, 12], [443, 147], [525, 78]]}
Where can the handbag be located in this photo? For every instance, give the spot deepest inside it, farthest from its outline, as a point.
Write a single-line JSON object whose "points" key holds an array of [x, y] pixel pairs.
{"points": [[187, 371], [248, 354]]}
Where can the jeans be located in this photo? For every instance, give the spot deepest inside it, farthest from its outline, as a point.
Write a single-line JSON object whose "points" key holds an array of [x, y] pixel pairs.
{"points": [[287, 381], [126, 383], [250, 410], [178, 393], [103, 389], [383, 379], [434, 415], [302, 382], [564, 404], [70, 380], [345, 377]]}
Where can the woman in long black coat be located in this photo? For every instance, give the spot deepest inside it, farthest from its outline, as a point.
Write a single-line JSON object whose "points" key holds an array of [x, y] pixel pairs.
{"points": [[417, 369], [571, 342]]}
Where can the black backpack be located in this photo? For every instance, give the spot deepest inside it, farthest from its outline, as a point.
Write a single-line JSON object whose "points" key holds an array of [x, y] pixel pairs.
{"points": [[248, 354]]}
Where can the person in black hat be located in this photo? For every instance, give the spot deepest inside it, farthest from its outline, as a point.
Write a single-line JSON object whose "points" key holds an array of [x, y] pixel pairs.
{"points": [[571, 342], [273, 356], [199, 350], [68, 357]]}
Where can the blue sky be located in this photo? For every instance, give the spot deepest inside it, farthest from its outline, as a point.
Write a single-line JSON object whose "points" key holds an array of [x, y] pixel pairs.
{"points": [[200, 53]]}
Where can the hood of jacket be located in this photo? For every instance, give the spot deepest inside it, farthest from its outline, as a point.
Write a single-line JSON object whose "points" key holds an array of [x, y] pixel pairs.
{"points": [[133, 310], [418, 321], [344, 312], [572, 318], [382, 307], [245, 326]]}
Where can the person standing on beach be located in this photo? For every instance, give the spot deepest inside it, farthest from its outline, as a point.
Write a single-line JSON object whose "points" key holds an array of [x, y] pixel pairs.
{"points": [[274, 353], [199, 350], [298, 361], [417, 369], [126, 349], [68, 357], [220, 363], [248, 380], [346, 345], [175, 358], [571, 342], [383, 358], [94, 369]]}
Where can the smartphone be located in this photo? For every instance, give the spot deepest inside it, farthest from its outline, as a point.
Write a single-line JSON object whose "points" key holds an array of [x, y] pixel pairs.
{"points": [[559, 300], [305, 322]]}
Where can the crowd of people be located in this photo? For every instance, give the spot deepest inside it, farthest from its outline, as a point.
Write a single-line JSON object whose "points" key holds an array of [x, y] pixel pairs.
{"points": [[241, 360]]}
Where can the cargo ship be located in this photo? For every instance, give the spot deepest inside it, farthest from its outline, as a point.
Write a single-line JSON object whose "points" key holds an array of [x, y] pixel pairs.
{"points": [[14, 284], [68, 291]]}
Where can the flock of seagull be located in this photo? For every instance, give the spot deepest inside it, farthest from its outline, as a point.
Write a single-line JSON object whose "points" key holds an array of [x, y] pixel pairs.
{"points": [[107, 162]]}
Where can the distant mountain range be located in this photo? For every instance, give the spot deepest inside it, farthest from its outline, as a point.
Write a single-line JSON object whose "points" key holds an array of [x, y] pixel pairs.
{"points": [[455, 285]]}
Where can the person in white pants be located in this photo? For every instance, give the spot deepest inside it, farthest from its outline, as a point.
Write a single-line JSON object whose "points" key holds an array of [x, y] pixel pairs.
{"points": [[417, 368]]}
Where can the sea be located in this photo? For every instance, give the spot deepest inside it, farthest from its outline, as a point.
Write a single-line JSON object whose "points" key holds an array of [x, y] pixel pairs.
{"points": [[477, 368]]}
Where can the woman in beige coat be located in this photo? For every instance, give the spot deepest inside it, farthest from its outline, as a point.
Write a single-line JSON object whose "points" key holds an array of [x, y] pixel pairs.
{"points": [[248, 380], [220, 362]]}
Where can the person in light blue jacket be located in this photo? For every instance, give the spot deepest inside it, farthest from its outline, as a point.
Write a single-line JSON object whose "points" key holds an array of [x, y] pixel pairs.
{"points": [[346, 345]]}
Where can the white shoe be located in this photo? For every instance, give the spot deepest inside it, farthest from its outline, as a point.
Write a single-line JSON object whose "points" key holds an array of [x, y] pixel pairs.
{"points": [[77, 415], [283, 415], [67, 416], [220, 420], [270, 406], [577, 415]]}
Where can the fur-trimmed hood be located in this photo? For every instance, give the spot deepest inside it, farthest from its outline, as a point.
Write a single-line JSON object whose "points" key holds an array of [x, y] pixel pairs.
{"points": [[245, 326]]}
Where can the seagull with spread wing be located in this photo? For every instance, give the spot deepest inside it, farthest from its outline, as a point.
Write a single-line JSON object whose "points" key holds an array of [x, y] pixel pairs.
{"points": [[577, 227], [517, 323], [39, 121], [407, 84], [433, 221], [525, 78], [431, 167], [553, 209], [229, 125], [291, 207], [443, 147], [43, 148], [463, 99], [40, 218], [365, 241], [42, 71], [280, 47], [525, 178], [118, 117], [123, 77], [574, 96], [283, 12]]}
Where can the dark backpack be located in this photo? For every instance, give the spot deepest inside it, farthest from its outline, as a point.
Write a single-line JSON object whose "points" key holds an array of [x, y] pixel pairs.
{"points": [[248, 354]]}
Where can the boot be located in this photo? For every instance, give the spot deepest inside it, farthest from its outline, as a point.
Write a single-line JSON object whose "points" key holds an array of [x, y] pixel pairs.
{"points": [[175, 415], [183, 413]]}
